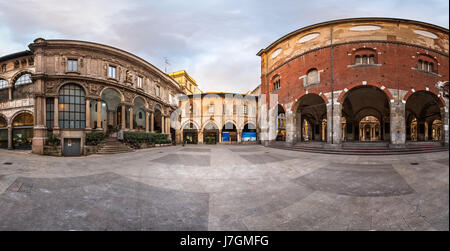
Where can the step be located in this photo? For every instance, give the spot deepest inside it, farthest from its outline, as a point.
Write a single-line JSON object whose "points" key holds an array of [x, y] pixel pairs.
{"points": [[362, 151]]}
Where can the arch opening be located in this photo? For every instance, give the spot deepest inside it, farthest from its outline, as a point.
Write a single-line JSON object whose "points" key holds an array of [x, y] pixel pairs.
{"points": [[110, 112], [22, 87], [249, 133], [211, 133], [22, 131], [3, 132], [310, 117], [281, 124], [139, 114], [424, 112], [190, 133], [365, 109], [229, 132]]}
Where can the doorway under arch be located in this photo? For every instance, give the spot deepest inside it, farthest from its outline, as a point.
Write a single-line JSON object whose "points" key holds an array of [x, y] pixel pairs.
{"points": [[229, 132], [3, 132], [310, 117], [22, 133], [424, 117], [361, 103], [190, 133]]}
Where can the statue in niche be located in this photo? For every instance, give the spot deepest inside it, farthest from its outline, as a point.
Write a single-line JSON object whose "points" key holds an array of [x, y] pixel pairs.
{"points": [[129, 77]]}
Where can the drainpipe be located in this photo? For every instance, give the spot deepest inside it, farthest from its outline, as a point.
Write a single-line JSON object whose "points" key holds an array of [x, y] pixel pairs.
{"points": [[331, 85]]}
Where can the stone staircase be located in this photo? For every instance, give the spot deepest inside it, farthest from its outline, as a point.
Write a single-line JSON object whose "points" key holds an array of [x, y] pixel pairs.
{"points": [[365, 148], [113, 146]]}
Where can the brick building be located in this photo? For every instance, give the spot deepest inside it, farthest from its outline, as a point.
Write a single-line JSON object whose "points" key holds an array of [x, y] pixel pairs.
{"points": [[359, 79]]}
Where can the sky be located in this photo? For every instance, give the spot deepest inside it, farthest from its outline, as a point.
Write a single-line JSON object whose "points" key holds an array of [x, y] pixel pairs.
{"points": [[215, 41]]}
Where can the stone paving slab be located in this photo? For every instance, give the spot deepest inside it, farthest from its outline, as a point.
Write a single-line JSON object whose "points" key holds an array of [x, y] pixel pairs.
{"points": [[357, 180], [96, 203], [184, 160], [226, 188], [196, 150]]}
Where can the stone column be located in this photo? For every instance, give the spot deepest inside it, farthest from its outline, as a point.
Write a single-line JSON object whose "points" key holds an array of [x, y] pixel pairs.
{"points": [[88, 114], [290, 127], [124, 116], [220, 136], [99, 115], [10, 143], [239, 134], [445, 124], [146, 122], [167, 125], [162, 124], [398, 125], [200, 137], [298, 127], [131, 118], [334, 126], [9, 92], [152, 122], [178, 137]]}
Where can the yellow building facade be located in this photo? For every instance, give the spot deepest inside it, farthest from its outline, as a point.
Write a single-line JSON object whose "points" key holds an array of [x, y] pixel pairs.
{"points": [[186, 82]]}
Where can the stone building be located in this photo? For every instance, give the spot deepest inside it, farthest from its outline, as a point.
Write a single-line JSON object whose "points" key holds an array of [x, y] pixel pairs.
{"points": [[218, 118], [71, 87], [359, 79], [187, 84]]}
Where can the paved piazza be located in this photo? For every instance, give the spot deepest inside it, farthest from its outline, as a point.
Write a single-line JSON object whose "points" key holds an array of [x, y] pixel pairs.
{"points": [[224, 188]]}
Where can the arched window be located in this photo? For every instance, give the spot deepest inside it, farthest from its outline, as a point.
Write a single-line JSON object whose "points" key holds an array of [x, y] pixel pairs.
{"points": [[313, 76], [23, 80], [371, 59], [364, 59], [427, 63], [365, 56], [276, 82], [72, 107], [4, 92], [3, 84]]}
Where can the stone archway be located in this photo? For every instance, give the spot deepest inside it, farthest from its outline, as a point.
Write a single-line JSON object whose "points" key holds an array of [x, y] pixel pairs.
{"points": [[229, 132], [190, 133], [139, 114], [424, 113], [365, 102], [22, 131], [281, 124], [310, 118], [3, 132], [211, 133], [111, 112]]}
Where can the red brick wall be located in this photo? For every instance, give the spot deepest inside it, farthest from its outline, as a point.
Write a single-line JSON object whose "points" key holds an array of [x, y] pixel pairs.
{"points": [[396, 61]]}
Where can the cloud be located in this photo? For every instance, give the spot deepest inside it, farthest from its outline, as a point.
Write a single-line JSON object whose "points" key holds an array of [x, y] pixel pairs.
{"points": [[215, 41]]}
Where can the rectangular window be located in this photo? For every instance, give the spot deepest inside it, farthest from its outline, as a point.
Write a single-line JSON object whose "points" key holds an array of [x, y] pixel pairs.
{"points": [[211, 109], [157, 91], [112, 71], [277, 85], [72, 65], [50, 112], [245, 110], [139, 82]]}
